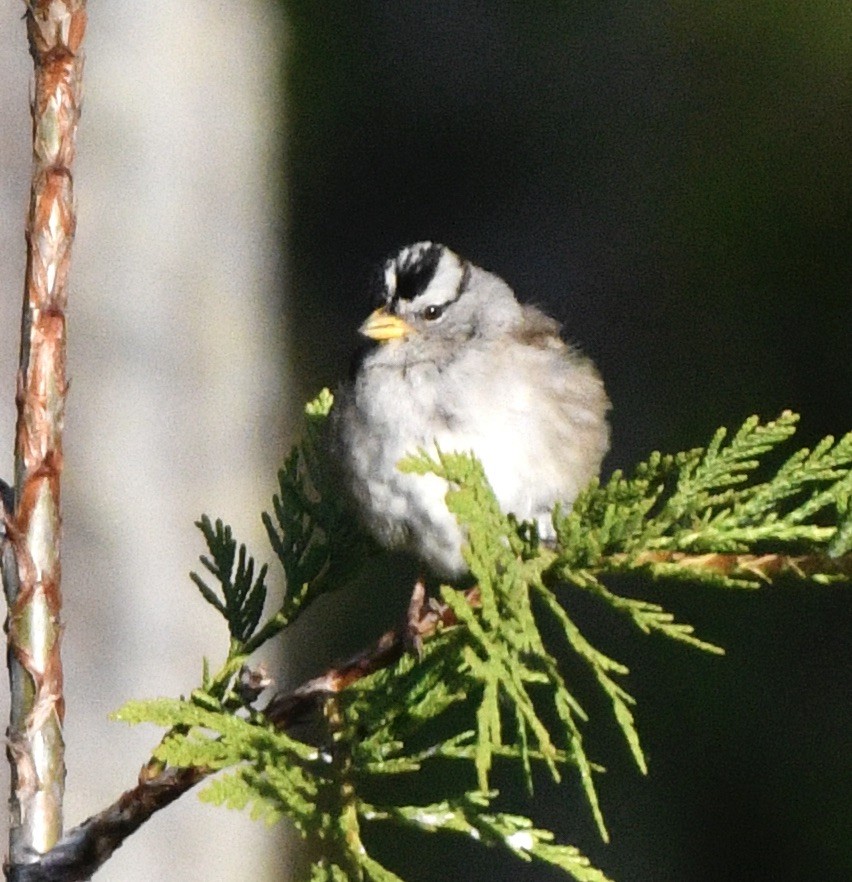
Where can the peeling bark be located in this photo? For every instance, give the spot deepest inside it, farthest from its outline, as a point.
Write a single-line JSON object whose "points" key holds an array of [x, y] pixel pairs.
{"points": [[32, 530]]}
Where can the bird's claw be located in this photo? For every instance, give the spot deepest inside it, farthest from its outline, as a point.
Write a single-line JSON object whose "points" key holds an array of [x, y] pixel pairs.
{"points": [[422, 617]]}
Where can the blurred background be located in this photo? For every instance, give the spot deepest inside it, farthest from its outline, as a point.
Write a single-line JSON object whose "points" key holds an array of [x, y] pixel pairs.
{"points": [[671, 180]]}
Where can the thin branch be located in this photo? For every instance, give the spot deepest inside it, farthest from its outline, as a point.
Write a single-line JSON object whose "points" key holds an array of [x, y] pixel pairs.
{"points": [[87, 847], [285, 709], [765, 567], [35, 748]]}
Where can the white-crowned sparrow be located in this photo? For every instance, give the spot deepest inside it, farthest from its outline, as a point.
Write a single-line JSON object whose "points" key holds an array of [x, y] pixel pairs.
{"points": [[460, 364]]}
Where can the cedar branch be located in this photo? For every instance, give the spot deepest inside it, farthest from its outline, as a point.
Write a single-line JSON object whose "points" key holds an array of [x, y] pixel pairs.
{"points": [[88, 846]]}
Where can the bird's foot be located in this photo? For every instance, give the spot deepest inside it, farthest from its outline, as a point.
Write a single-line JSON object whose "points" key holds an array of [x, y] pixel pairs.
{"points": [[423, 615]]}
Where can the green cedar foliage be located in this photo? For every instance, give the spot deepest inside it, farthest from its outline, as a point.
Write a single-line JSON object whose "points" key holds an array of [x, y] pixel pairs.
{"points": [[490, 689]]}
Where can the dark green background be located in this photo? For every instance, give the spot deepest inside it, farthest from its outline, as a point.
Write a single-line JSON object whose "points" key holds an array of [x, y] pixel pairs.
{"points": [[672, 180]]}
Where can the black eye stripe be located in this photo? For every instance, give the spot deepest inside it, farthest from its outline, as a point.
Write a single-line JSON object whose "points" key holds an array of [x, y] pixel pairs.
{"points": [[436, 310]]}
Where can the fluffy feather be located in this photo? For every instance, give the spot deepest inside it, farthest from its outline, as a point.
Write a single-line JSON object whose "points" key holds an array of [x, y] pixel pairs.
{"points": [[475, 371]]}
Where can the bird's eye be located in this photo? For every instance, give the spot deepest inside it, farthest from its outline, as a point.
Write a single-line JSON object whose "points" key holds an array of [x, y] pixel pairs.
{"points": [[430, 313]]}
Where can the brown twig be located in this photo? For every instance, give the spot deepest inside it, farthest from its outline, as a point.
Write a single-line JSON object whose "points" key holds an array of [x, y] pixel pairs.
{"points": [[87, 847], [55, 30], [761, 566], [422, 620]]}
